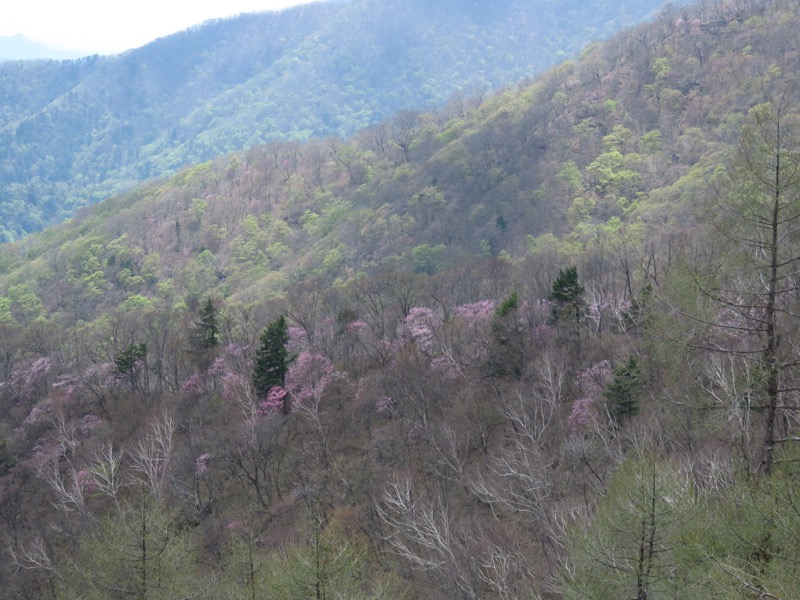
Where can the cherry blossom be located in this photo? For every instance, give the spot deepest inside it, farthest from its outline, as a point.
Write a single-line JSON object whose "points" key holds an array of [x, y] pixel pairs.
{"points": [[201, 464], [273, 403]]}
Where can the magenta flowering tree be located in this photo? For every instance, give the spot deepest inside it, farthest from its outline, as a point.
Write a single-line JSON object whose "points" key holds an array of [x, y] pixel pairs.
{"points": [[384, 404], [31, 379], [194, 385], [589, 413], [92, 387], [464, 341], [539, 311], [236, 358], [477, 311], [298, 340], [596, 312], [421, 327], [39, 412], [584, 416], [273, 403], [71, 433], [307, 381], [445, 365], [56, 434], [201, 464], [542, 334], [308, 377], [351, 338], [233, 360], [354, 328], [217, 369], [84, 480]]}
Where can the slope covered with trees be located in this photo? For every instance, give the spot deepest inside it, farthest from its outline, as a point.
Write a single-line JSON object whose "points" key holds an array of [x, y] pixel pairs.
{"points": [[75, 132], [542, 347]]}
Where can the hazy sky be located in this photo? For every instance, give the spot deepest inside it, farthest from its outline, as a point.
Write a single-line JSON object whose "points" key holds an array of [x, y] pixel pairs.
{"points": [[108, 26]]}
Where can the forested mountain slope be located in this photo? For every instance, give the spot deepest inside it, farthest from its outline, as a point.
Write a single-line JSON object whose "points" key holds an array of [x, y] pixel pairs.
{"points": [[75, 132], [541, 347]]}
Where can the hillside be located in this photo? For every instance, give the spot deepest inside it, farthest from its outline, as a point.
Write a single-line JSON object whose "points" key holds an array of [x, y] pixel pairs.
{"points": [[543, 346], [75, 132]]}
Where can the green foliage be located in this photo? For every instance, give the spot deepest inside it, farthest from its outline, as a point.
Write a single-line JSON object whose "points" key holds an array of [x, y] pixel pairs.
{"points": [[514, 417], [454, 128], [134, 302], [130, 358], [427, 258], [661, 67], [650, 143], [629, 548], [751, 538], [326, 564], [25, 304], [137, 551], [610, 173], [186, 98], [509, 304], [5, 310], [581, 210], [571, 175], [618, 139]]}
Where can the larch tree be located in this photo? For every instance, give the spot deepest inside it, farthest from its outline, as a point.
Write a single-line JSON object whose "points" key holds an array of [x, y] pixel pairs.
{"points": [[756, 217]]}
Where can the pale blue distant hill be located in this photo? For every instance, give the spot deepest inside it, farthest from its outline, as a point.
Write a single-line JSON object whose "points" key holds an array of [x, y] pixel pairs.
{"points": [[18, 47]]}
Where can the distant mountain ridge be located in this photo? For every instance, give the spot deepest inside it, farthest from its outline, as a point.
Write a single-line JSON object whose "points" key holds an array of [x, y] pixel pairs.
{"points": [[76, 132], [18, 47]]}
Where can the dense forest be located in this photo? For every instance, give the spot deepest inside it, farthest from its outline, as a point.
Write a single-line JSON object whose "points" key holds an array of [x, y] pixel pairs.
{"points": [[539, 346], [76, 132]]}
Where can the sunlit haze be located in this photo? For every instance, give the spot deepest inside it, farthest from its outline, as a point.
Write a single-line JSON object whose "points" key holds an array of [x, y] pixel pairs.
{"points": [[103, 27]]}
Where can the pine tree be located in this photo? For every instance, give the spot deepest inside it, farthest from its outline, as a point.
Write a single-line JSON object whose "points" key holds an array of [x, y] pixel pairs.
{"points": [[567, 294], [272, 357], [207, 328], [623, 392], [507, 350]]}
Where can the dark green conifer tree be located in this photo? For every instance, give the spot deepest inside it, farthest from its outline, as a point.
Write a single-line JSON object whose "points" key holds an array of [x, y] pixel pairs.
{"points": [[567, 294], [207, 328], [131, 363], [507, 350], [6, 458], [623, 393], [272, 357]]}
